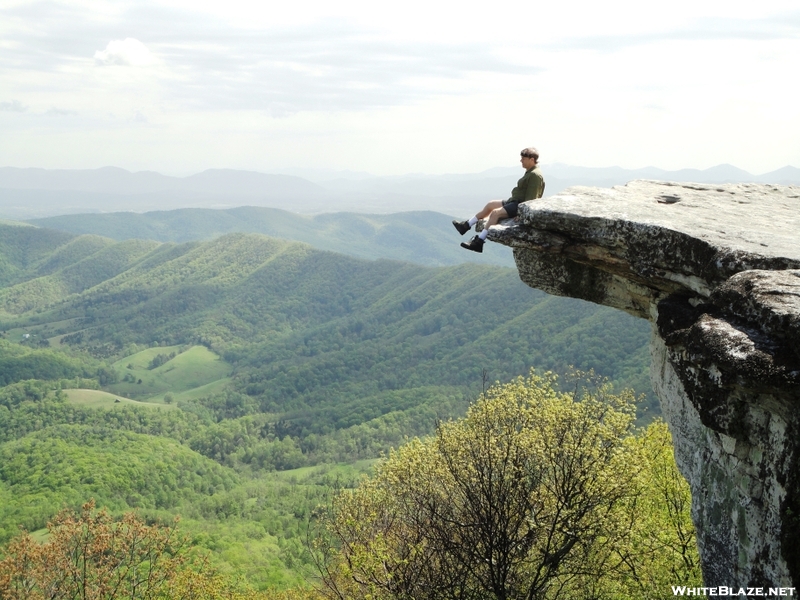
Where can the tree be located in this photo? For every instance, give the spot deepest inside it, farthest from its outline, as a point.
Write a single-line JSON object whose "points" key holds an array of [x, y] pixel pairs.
{"points": [[521, 499], [92, 556], [661, 548]]}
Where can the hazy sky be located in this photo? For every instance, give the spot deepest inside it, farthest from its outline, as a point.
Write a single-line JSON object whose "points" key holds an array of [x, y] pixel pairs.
{"points": [[178, 86]]}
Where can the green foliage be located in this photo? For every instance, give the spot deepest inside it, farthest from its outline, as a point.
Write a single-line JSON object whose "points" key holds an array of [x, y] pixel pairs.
{"points": [[18, 363], [22, 247], [34, 406], [258, 301], [56, 453], [105, 263], [159, 360], [660, 548], [301, 329], [279, 360], [71, 253], [517, 500], [536, 493], [65, 464], [11, 396]]}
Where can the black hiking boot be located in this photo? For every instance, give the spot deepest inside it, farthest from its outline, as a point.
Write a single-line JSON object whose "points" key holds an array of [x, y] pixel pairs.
{"points": [[475, 244], [462, 226]]}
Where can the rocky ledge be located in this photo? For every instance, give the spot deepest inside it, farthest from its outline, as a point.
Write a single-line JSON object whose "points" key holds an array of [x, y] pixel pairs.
{"points": [[716, 270]]}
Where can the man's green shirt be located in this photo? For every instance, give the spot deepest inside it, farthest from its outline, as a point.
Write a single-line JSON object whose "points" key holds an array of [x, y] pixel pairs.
{"points": [[530, 187]]}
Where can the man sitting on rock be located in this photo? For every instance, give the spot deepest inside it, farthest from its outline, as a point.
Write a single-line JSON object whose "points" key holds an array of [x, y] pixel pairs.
{"points": [[530, 187]]}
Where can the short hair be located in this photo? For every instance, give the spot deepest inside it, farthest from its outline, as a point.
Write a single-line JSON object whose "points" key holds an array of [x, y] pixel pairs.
{"points": [[530, 153]]}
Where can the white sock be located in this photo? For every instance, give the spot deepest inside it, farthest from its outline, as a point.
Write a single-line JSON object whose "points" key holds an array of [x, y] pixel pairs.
{"points": [[472, 221], [483, 234]]}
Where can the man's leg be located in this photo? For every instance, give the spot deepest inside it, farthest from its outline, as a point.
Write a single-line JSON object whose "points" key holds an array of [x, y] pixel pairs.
{"points": [[495, 215], [489, 208], [464, 226]]}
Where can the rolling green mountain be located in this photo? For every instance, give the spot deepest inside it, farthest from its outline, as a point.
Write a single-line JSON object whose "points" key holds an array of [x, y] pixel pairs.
{"points": [[426, 238], [299, 319], [22, 246], [306, 332], [86, 264]]}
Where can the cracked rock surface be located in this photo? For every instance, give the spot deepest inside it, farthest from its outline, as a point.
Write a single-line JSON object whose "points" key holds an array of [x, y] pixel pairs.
{"points": [[716, 269]]}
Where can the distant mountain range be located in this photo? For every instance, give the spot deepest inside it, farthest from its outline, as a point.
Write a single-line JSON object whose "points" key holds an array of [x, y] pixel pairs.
{"points": [[31, 193], [113, 180]]}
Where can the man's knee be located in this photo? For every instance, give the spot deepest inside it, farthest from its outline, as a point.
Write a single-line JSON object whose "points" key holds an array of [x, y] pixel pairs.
{"points": [[498, 213]]}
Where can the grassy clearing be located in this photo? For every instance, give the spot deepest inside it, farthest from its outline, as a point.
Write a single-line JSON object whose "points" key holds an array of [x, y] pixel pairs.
{"points": [[100, 399], [215, 387], [142, 359], [55, 341], [191, 373], [55, 331], [328, 474], [40, 535], [16, 334], [52, 331]]}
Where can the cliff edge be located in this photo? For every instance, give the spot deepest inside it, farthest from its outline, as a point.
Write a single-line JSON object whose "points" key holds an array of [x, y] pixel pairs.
{"points": [[716, 270]]}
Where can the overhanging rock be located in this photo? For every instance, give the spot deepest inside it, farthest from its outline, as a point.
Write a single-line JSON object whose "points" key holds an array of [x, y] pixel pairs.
{"points": [[716, 269]]}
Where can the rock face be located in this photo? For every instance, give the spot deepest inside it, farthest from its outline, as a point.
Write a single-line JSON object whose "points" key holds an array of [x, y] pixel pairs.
{"points": [[716, 269]]}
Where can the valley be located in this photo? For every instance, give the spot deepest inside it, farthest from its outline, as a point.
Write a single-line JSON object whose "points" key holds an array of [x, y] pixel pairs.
{"points": [[237, 380]]}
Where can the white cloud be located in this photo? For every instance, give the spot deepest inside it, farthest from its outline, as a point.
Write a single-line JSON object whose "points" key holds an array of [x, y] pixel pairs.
{"points": [[396, 87], [13, 106], [128, 52], [60, 112]]}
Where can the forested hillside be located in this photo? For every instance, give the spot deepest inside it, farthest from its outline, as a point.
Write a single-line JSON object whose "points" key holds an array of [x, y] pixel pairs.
{"points": [[294, 320], [221, 379]]}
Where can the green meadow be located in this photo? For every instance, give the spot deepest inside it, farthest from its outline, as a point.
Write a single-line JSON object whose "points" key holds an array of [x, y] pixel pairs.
{"points": [[101, 399], [186, 372]]}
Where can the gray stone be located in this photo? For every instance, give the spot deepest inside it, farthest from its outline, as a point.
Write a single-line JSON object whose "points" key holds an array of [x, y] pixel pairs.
{"points": [[716, 269]]}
